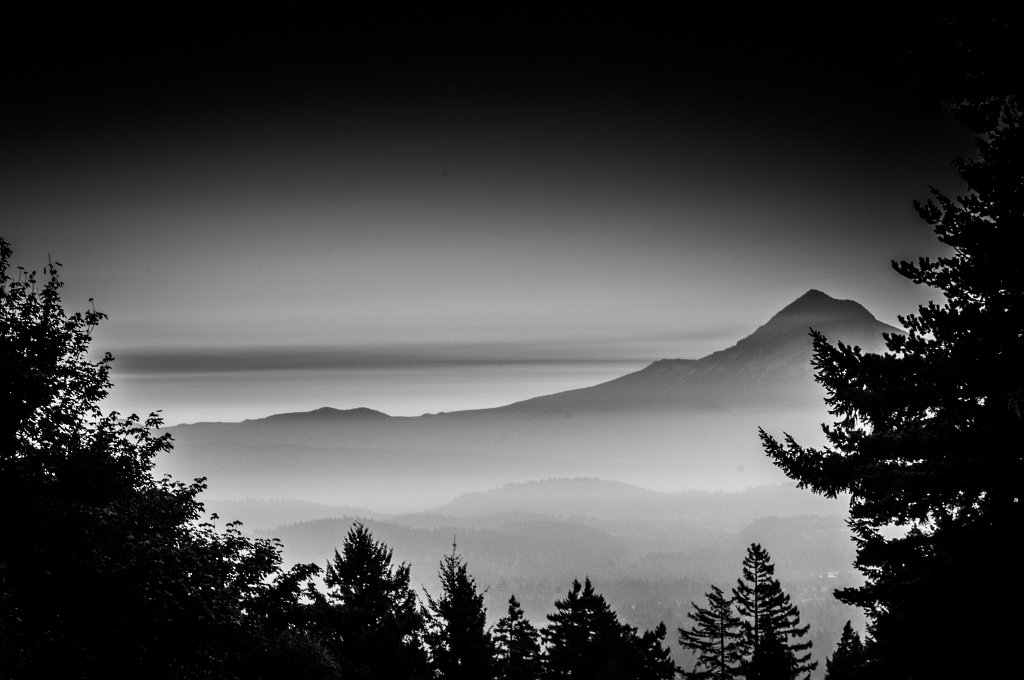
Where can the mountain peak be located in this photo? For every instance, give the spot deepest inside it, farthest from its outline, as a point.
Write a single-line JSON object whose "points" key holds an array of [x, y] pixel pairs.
{"points": [[784, 336], [815, 294], [818, 305]]}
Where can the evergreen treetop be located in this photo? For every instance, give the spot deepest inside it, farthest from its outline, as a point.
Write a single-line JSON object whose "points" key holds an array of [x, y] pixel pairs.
{"points": [[847, 662], [716, 637], [655, 662], [460, 645], [370, 617], [584, 638], [517, 645], [771, 619]]}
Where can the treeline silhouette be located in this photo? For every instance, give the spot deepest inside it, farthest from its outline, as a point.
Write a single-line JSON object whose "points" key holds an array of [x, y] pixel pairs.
{"points": [[370, 624]]}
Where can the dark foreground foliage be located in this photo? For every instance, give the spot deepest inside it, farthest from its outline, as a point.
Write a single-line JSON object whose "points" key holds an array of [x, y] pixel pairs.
{"points": [[110, 571], [107, 571], [929, 437]]}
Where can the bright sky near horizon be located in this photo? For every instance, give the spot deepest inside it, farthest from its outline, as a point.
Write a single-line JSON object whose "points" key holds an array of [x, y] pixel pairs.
{"points": [[469, 205]]}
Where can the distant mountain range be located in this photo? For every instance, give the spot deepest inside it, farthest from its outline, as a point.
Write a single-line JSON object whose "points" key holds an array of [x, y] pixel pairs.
{"points": [[676, 424]]}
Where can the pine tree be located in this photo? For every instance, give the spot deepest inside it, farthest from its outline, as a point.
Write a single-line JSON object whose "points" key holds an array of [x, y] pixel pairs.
{"points": [[770, 660], [928, 438], [655, 661], [717, 638], [847, 662], [370, 618], [585, 639], [771, 618], [517, 642], [460, 645]]}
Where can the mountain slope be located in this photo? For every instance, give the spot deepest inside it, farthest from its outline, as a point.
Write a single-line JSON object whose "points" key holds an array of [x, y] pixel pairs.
{"points": [[772, 363], [677, 424]]}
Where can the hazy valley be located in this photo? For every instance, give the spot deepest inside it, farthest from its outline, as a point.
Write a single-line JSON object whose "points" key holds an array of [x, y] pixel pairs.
{"points": [[652, 484], [676, 425]]}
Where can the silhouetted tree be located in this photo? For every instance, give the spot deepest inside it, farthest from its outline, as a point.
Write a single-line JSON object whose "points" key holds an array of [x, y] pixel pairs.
{"points": [[584, 639], [104, 569], [517, 644], [770, 660], [655, 661], [928, 437], [284, 643], [460, 645], [847, 662], [771, 619], [716, 637], [370, 618]]}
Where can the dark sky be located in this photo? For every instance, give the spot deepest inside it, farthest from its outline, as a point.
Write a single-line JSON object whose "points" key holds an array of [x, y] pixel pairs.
{"points": [[578, 185]]}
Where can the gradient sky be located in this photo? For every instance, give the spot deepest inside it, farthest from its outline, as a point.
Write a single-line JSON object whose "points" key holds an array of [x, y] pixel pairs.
{"points": [[589, 187]]}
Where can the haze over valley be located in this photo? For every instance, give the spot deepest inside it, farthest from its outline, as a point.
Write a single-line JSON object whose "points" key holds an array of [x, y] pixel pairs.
{"points": [[674, 425], [652, 483]]}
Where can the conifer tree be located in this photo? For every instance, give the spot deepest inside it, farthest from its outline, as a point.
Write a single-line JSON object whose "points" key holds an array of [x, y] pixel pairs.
{"points": [[770, 660], [655, 662], [716, 637], [371, 618], [928, 438], [517, 644], [460, 645], [585, 639], [771, 619], [847, 662]]}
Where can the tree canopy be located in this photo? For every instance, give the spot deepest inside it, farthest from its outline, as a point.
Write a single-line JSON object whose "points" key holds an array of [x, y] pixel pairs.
{"points": [[847, 662], [107, 570]]}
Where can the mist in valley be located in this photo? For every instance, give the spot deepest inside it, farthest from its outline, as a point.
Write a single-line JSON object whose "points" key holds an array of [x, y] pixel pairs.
{"points": [[652, 484]]}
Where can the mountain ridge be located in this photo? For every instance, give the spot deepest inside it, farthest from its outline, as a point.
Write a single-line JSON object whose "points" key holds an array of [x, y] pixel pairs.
{"points": [[773, 358], [674, 424], [597, 498], [773, 341]]}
